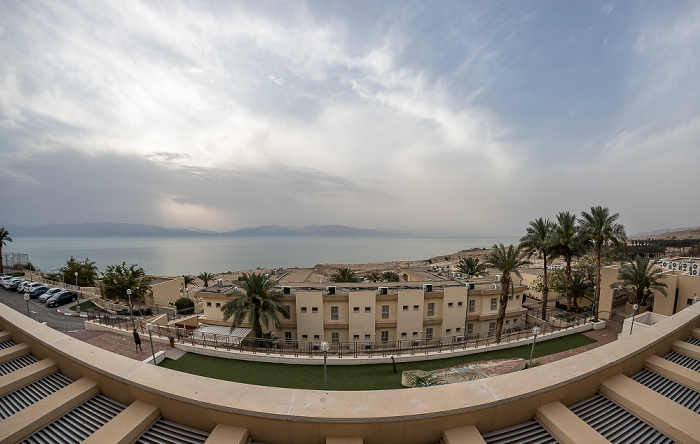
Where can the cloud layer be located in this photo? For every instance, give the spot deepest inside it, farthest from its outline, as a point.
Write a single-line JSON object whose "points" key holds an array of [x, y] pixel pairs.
{"points": [[464, 117]]}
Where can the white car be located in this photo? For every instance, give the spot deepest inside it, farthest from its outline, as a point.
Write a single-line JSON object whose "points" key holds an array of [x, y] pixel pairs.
{"points": [[31, 286], [21, 287], [52, 292]]}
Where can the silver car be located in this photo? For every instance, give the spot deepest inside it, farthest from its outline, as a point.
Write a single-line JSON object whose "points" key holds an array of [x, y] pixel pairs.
{"points": [[52, 292]]}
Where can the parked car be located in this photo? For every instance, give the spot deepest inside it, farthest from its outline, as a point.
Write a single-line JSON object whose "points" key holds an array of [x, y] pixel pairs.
{"points": [[22, 286], [12, 284], [61, 298], [38, 291], [49, 294], [30, 287]]}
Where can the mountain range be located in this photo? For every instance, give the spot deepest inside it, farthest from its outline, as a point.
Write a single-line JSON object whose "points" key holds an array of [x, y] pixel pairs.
{"points": [[99, 229]]}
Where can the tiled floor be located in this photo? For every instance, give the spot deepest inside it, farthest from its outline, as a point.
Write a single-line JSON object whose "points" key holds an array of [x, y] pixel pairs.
{"points": [[124, 345]]}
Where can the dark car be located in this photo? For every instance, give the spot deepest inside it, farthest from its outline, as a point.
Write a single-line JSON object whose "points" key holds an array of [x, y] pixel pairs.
{"points": [[38, 291], [62, 298]]}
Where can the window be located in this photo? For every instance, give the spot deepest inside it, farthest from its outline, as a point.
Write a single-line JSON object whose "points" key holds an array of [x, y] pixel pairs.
{"points": [[429, 333], [459, 329], [507, 321], [385, 312], [335, 336], [431, 308], [415, 334], [416, 307], [517, 296], [208, 304], [510, 298], [334, 312], [218, 304], [287, 336], [317, 337], [450, 304], [304, 336], [492, 326], [303, 309], [460, 303], [515, 321], [356, 337], [314, 309], [385, 335], [689, 302], [355, 309], [366, 336], [403, 335], [494, 303], [472, 306], [470, 329], [405, 308], [368, 309], [289, 311], [448, 331]]}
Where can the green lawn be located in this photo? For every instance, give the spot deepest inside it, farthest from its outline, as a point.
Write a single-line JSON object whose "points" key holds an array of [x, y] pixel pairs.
{"points": [[348, 377], [84, 306]]}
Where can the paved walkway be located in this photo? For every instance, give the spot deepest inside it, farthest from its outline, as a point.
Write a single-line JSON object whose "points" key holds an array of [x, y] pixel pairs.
{"points": [[124, 345]]}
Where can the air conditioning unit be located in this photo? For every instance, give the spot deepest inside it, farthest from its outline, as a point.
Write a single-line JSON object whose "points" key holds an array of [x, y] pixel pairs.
{"points": [[664, 264], [674, 265], [495, 286], [694, 272], [696, 266], [685, 266], [383, 290], [427, 288], [286, 290], [330, 290]]}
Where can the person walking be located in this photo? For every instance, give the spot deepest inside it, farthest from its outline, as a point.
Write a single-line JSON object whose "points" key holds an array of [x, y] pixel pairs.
{"points": [[137, 340]]}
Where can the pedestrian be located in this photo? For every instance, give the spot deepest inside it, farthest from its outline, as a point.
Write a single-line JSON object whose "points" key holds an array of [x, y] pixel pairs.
{"points": [[137, 340]]}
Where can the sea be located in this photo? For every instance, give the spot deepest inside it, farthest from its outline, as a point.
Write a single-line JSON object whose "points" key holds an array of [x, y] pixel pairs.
{"points": [[179, 256]]}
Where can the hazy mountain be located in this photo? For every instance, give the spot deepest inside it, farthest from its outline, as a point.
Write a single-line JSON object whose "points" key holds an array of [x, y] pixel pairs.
{"points": [[661, 231], [140, 230]]}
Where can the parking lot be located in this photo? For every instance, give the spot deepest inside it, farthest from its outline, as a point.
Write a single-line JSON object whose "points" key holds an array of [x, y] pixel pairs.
{"points": [[38, 311]]}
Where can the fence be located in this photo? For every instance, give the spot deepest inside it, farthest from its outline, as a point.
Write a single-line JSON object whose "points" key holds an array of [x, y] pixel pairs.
{"points": [[340, 349]]}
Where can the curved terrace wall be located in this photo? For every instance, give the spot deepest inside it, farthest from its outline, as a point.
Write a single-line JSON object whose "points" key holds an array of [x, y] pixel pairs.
{"points": [[420, 416]]}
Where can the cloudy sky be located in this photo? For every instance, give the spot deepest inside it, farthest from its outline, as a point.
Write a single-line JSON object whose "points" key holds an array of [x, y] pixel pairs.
{"points": [[466, 117]]}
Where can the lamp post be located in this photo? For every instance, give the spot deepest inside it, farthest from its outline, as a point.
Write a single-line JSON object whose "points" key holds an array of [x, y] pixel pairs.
{"points": [[634, 312], [535, 332], [76, 281], [325, 346], [149, 327], [29, 265], [26, 299], [131, 308]]}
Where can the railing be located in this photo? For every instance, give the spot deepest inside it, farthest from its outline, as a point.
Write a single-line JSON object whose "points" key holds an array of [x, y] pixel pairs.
{"points": [[340, 349]]}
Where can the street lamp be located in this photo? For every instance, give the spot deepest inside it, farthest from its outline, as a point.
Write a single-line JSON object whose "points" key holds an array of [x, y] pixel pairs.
{"points": [[634, 312], [131, 307], [76, 281], [149, 327], [325, 346], [26, 299], [535, 332]]}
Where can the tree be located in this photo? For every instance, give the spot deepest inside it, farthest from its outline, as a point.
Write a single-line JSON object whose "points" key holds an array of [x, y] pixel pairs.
{"points": [[205, 277], [4, 238], [638, 278], [471, 266], [506, 261], [391, 276], [119, 278], [184, 304], [87, 272], [602, 230], [256, 301], [567, 241], [344, 274], [374, 277], [188, 279], [536, 239]]}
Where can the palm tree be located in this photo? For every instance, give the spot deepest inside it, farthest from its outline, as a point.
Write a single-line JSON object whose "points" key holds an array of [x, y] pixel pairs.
{"points": [[391, 276], [471, 266], [638, 278], [4, 237], [537, 239], [257, 301], [344, 275], [602, 229], [374, 276], [506, 261], [205, 277], [567, 241], [188, 279]]}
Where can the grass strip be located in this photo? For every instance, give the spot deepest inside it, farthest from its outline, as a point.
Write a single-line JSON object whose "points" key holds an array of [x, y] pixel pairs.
{"points": [[348, 377]]}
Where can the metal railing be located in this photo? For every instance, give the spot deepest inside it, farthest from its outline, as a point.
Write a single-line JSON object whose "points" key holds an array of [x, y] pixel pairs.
{"points": [[353, 349]]}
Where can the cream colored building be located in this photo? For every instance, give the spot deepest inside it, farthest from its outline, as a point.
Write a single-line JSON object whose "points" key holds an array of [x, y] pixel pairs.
{"points": [[167, 289], [384, 312]]}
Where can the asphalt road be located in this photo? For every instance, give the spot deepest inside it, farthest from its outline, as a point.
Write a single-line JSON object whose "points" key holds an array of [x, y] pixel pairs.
{"points": [[41, 313]]}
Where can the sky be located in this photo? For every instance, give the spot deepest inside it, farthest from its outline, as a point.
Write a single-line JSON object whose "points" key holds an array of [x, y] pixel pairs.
{"points": [[463, 117]]}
